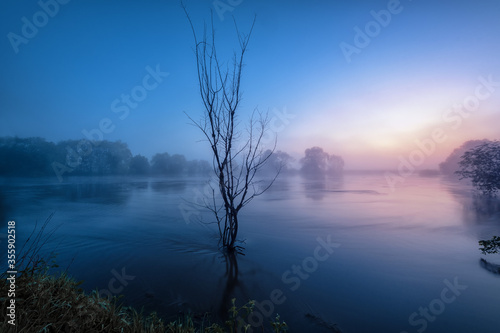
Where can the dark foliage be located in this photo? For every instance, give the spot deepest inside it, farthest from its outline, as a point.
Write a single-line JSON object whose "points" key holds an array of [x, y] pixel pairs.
{"points": [[26, 156], [35, 157], [482, 166], [316, 162], [451, 164], [490, 246], [139, 165]]}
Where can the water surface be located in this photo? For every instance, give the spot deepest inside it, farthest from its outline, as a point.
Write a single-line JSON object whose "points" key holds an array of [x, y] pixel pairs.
{"points": [[396, 253]]}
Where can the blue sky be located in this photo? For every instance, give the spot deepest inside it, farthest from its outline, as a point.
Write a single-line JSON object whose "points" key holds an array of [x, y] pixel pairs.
{"points": [[371, 109]]}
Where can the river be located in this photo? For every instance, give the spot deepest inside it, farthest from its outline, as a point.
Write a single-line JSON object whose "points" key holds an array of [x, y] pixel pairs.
{"points": [[350, 253]]}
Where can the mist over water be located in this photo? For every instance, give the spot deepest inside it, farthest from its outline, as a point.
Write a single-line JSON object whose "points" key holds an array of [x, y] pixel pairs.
{"points": [[114, 115], [393, 250]]}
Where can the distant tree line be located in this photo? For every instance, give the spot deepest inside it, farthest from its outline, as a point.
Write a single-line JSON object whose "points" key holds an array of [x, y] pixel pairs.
{"points": [[315, 163], [36, 157]]}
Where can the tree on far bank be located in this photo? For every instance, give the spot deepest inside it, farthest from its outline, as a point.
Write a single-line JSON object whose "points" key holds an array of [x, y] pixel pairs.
{"points": [[278, 161], [164, 164], [198, 167], [26, 156], [139, 165], [482, 166], [451, 164], [106, 158], [317, 162]]}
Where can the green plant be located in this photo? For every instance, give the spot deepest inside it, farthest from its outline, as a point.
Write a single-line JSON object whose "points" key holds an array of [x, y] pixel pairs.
{"points": [[185, 325], [278, 325], [490, 246], [235, 317]]}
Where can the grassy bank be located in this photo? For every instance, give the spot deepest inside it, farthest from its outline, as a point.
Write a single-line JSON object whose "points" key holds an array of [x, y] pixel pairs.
{"points": [[48, 303]]}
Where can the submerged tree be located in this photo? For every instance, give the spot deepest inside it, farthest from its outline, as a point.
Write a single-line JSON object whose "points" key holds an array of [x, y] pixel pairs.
{"points": [[482, 165], [237, 158]]}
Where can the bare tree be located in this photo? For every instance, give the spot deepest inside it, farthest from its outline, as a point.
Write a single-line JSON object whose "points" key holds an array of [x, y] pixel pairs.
{"points": [[237, 158]]}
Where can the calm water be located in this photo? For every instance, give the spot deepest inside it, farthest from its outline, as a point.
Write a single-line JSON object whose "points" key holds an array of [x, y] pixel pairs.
{"points": [[395, 256]]}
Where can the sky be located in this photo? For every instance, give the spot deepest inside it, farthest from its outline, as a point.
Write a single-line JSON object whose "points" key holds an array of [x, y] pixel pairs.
{"points": [[376, 82]]}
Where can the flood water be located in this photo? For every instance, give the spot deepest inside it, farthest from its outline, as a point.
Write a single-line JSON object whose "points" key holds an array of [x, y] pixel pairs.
{"points": [[406, 260]]}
